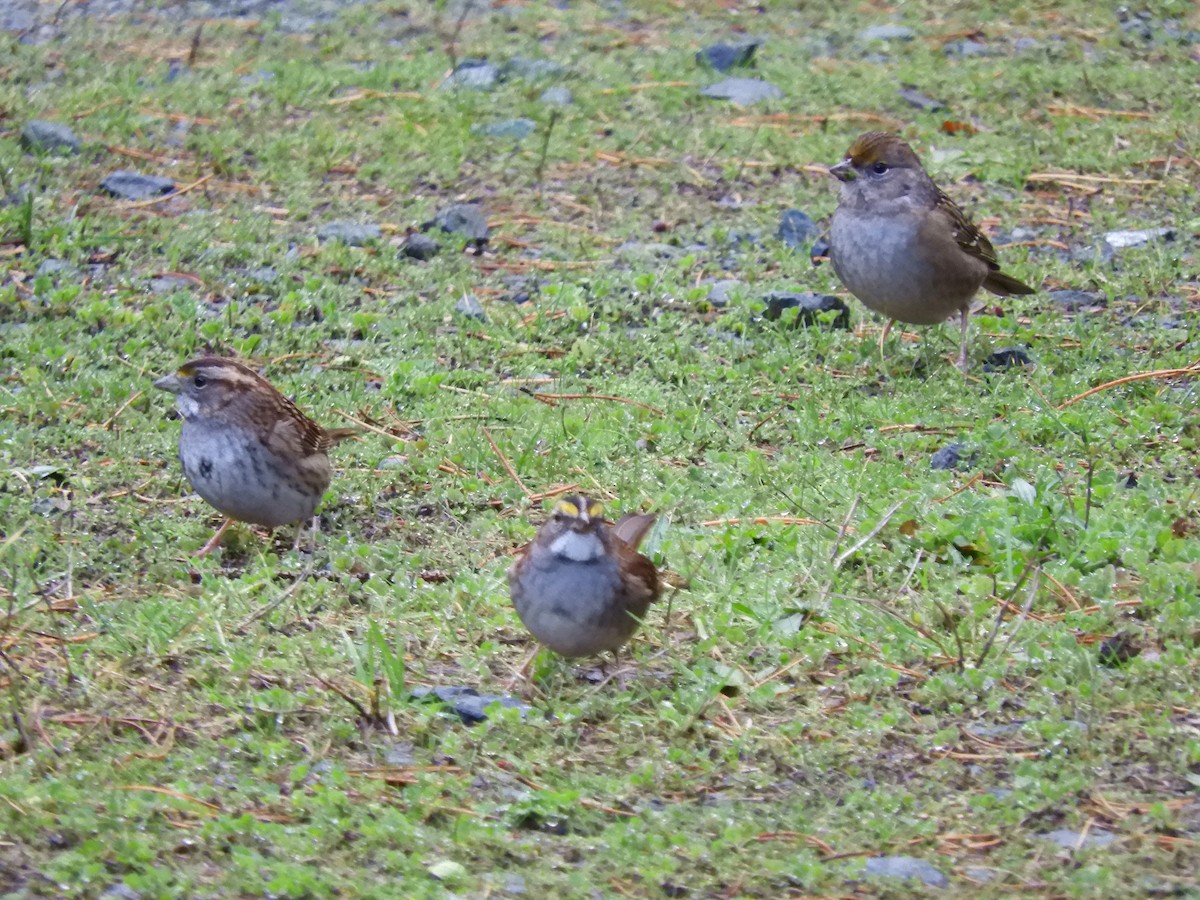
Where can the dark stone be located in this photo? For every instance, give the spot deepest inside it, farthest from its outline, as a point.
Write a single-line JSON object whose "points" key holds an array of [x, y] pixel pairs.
{"points": [[905, 867], [811, 306], [466, 219], [517, 129], [419, 246], [39, 136], [796, 229], [947, 457], [354, 234], [1118, 650], [134, 186], [820, 251], [724, 57], [1007, 358], [913, 96], [742, 91], [468, 704]]}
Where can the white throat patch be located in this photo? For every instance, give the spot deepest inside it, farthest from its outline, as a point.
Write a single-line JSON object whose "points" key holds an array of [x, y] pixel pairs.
{"points": [[187, 406], [577, 547]]}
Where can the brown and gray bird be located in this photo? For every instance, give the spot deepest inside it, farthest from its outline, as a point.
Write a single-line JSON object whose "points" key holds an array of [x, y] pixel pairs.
{"points": [[580, 586], [903, 247], [247, 449]]}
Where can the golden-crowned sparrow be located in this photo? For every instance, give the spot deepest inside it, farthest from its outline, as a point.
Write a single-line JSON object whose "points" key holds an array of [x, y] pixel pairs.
{"points": [[903, 247]]}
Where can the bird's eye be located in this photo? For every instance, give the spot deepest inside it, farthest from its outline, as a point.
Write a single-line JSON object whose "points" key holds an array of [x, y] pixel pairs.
{"points": [[199, 381], [879, 168]]}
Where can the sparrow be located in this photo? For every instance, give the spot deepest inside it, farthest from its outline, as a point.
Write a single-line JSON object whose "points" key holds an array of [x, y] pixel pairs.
{"points": [[580, 586], [902, 246], [247, 449]]}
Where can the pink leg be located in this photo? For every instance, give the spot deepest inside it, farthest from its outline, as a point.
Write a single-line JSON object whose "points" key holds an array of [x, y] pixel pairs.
{"points": [[887, 329], [213, 541], [965, 316]]}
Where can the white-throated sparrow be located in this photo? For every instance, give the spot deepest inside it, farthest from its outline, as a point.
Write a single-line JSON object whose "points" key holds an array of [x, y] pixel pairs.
{"points": [[580, 586], [247, 449], [903, 247]]}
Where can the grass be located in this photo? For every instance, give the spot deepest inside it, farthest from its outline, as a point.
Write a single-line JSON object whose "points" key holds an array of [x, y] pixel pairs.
{"points": [[947, 690]]}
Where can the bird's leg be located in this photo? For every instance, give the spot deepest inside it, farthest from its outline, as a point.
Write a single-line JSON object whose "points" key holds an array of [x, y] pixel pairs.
{"points": [[965, 316], [316, 528], [522, 674], [887, 329], [213, 541]]}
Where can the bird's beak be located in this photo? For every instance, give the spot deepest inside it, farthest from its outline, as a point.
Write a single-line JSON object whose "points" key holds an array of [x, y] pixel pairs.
{"points": [[843, 171], [170, 383]]}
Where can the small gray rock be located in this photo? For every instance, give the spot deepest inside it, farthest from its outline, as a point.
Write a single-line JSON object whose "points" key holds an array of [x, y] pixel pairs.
{"points": [[54, 267], [468, 703], [719, 293], [120, 891], [419, 246], [810, 305], [1025, 44], [724, 57], [557, 95], [40, 136], [886, 33], [466, 219], [981, 874], [1007, 358], [1071, 840], [533, 69], [355, 234], [820, 251], [469, 306], [135, 186], [400, 754], [946, 458], [913, 96], [796, 229], [262, 275], [648, 251], [167, 284], [260, 77], [742, 91], [517, 129], [965, 48], [473, 75], [1073, 300], [905, 867], [1121, 240]]}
